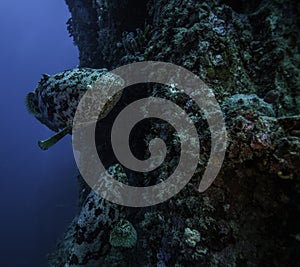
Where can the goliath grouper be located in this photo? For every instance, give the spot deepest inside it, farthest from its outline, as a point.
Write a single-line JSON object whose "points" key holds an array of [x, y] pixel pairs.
{"points": [[56, 97]]}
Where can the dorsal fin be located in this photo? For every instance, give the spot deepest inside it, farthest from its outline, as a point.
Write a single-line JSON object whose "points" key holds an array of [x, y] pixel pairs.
{"points": [[45, 76]]}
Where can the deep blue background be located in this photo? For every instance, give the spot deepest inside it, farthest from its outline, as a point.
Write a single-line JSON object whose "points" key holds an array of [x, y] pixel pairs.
{"points": [[38, 193]]}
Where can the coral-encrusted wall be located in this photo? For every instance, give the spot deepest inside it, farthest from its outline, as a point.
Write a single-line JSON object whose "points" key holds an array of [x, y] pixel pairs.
{"points": [[248, 53]]}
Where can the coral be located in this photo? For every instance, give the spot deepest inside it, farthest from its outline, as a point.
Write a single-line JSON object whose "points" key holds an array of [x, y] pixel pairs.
{"points": [[242, 103], [248, 53], [123, 235], [191, 237], [84, 29]]}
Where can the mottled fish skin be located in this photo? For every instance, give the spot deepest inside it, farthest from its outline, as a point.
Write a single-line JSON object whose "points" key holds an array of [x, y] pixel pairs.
{"points": [[56, 97]]}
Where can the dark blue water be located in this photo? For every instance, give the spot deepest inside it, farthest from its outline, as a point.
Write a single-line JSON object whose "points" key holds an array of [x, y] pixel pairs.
{"points": [[37, 188]]}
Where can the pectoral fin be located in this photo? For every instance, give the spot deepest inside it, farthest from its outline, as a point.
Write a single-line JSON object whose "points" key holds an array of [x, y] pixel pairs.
{"points": [[45, 144]]}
